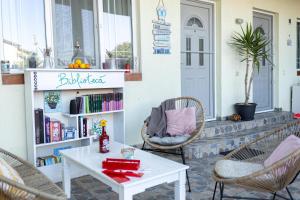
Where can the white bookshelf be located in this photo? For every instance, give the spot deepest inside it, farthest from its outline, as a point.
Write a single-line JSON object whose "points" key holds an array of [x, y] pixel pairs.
{"points": [[91, 114], [70, 83]]}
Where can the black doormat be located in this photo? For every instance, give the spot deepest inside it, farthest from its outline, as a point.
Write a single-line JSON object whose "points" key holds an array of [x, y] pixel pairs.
{"points": [[249, 151]]}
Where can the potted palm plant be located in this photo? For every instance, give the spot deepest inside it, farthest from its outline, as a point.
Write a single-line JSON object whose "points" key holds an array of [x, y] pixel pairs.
{"points": [[252, 46]]}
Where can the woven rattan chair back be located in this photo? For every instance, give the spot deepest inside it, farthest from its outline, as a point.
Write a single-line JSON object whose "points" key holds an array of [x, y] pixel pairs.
{"points": [[275, 177], [181, 102]]}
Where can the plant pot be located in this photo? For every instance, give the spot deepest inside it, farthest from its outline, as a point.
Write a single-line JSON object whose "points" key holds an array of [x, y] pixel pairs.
{"points": [[246, 111], [52, 105]]}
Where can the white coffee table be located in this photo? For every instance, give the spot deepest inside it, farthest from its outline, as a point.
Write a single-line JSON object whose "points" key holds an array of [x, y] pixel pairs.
{"points": [[157, 170]]}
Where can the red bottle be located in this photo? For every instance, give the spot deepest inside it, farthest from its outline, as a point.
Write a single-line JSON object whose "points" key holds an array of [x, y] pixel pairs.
{"points": [[104, 139]]}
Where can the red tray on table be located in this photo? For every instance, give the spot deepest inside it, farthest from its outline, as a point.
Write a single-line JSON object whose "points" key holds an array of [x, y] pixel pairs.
{"points": [[123, 164]]}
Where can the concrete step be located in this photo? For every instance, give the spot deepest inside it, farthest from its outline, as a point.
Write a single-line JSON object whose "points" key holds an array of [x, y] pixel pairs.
{"points": [[220, 128], [222, 136]]}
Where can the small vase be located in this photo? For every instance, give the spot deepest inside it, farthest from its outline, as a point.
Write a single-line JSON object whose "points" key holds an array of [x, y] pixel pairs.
{"points": [[48, 64]]}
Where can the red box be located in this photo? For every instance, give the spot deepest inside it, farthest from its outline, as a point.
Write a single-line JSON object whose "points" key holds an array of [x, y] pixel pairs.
{"points": [[124, 164]]}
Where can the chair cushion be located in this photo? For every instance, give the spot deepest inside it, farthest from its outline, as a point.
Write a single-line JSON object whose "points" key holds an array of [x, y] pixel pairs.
{"points": [[236, 169], [286, 147], [8, 172], [181, 121], [169, 140]]}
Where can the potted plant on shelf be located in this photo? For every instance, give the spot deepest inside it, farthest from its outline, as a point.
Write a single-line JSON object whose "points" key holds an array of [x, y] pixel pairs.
{"points": [[52, 99], [252, 46]]}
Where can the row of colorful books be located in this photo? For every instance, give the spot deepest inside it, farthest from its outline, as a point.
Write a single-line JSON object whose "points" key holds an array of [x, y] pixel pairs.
{"points": [[47, 130], [51, 159], [99, 102], [47, 160]]}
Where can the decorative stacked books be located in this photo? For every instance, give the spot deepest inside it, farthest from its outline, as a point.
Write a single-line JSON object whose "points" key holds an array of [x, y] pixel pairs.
{"points": [[99, 103]]}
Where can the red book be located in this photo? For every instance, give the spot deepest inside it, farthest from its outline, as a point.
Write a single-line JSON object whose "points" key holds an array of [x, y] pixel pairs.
{"points": [[55, 130]]}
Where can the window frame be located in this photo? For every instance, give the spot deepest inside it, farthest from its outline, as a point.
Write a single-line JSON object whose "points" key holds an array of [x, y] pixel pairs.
{"points": [[98, 31], [136, 72]]}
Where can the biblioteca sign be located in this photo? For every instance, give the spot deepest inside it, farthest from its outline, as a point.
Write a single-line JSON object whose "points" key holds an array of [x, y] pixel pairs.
{"points": [[64, 80]]}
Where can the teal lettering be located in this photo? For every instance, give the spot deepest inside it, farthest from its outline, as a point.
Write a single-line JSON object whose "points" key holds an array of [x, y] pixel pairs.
{"points": [[63, 80], [76, 79]]}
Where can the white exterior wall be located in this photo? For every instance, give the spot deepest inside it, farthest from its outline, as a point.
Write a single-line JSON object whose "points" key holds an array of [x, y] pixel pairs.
{"points": [[161, 73], [232, 71]]}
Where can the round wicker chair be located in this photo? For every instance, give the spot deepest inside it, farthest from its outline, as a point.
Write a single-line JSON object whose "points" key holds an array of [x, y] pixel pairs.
{"points": [[271, 179], [36, 185], [180, 102]]}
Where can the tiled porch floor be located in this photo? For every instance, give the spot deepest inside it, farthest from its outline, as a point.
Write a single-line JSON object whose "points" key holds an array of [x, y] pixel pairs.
{"points": [[88, 188]]}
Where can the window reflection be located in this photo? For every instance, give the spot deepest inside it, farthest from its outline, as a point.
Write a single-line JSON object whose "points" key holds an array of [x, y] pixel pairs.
{"points": [[74, 24], [23, 31], [117, 34]]}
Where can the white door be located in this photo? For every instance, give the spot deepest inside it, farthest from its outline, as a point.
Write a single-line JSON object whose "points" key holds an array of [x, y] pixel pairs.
{"points": [[197, 53], [263, 79]]}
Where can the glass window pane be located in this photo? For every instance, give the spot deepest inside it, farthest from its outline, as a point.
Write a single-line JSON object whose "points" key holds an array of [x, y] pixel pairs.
{"points": [[298, 45], [23, 31], [74, 23], [201, 59], [201, 45], [264, 59], [195, 22], [188, 44], [188, 59], [117, 34]]}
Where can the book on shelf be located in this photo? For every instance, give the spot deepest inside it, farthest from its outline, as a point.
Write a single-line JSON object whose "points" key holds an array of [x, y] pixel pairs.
{"points": [[56, 151], [99, 103], [47, 129], [47, 160], [69, 133], [51, 159], [55, 131], [39, 126], [84, 127]]}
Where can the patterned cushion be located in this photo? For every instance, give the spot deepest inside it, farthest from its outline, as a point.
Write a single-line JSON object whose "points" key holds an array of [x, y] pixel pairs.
{"points": [[181, 121], [169, 140], [236, 169], [8, 172]]}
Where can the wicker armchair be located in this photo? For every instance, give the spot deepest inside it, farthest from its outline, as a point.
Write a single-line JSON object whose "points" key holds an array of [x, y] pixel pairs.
{"points": [[36, 185], [271, 179], [180, 102]]}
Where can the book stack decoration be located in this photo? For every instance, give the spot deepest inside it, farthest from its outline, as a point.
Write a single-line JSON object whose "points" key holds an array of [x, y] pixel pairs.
{"points": [[48, 130], [94, 103], [51, 159]]}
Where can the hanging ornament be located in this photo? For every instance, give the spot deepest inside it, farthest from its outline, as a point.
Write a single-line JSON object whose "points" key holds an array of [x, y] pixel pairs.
{"points": [[161, 11]]}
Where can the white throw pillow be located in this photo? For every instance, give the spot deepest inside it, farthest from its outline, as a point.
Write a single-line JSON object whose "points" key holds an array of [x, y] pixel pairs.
{"points": [[236, 169]]}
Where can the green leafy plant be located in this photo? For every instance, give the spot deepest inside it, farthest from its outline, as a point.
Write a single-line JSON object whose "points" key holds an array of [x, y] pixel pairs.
{"points": [[52, 97], [252, 46]]}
